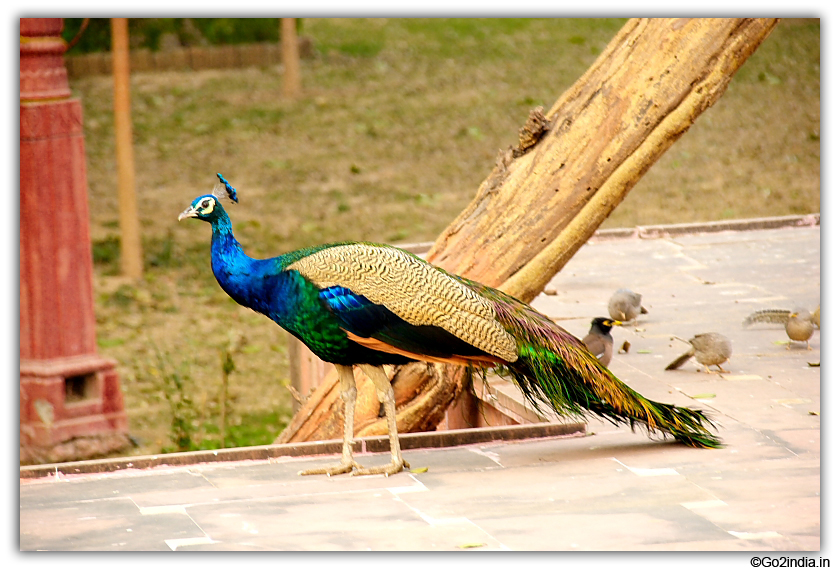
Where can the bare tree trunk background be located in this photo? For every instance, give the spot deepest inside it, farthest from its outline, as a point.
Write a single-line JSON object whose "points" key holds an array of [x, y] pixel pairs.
{"points": [[292, 88], [131, 248], [573, 166]]}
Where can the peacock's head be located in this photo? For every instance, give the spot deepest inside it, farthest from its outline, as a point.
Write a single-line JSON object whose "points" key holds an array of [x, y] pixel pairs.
{"points": [[205, 208], [209, 207]]}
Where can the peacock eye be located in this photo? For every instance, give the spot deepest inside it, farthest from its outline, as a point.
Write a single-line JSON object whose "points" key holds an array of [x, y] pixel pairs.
{"points": [[206, 206]]}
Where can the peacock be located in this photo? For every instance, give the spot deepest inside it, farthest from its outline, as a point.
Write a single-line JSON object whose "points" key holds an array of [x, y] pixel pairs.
{"points": [[367, 305]]}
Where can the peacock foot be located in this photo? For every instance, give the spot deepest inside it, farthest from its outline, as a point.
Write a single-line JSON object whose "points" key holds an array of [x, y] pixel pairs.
{"points": [[391, 469], [343, 467]]}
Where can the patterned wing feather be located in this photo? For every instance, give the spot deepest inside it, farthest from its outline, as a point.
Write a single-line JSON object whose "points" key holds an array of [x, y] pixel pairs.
{"points": [[375, 326], [413, 290], [775, 316]]}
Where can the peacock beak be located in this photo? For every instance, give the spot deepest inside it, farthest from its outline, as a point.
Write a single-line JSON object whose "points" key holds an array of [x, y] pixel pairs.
{"points": [[188, 213]]}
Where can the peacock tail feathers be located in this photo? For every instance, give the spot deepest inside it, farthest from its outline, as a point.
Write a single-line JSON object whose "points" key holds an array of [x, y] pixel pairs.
{"points": [[555, 369]]}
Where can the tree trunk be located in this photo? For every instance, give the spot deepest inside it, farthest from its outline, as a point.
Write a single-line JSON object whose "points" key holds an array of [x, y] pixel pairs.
{"points": [[571, 169], [131, 248], [291, 59]]}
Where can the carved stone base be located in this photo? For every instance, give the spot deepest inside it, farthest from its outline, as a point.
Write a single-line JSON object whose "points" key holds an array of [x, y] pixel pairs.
{"points": [[77, 449], [66, 399]]}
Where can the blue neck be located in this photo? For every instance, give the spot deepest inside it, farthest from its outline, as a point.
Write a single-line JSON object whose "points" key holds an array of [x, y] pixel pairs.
{"points": [[259, 284], [232, 268], [223, 243], [224, 246]]}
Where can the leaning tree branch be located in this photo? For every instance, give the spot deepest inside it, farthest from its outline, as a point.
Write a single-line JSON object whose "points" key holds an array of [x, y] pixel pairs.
{"points": [[546, 197]]}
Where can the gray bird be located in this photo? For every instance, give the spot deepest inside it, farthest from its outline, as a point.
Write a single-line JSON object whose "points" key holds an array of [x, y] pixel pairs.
{"points": [[599, 341], [800, 327], [709, 349], [625, 305], [779, 317]]}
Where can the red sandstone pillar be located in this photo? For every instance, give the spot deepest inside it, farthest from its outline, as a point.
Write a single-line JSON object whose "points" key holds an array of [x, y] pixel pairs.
{"points": [[68, 393]]}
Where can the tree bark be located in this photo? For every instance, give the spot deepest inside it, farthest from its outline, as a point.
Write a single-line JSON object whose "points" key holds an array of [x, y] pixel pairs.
{"points": [[571, 169], [131, 248], [291, 59]]}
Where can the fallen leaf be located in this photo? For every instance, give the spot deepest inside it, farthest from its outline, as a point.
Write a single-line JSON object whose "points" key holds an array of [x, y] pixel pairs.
{"points": [[703, 396], [419, 470], [813, 364], [472, 545], [643, 352], [812, 413]]}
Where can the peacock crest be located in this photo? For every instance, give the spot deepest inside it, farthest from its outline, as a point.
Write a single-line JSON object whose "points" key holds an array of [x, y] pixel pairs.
{"points": [[224, 191]]}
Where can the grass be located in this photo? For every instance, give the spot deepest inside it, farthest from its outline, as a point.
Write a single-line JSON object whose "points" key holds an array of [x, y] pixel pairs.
{"points": [[400, 123]]}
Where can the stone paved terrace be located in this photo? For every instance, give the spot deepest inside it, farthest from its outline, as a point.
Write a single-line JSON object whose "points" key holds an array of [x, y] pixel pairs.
{"points": [[608, 489]]}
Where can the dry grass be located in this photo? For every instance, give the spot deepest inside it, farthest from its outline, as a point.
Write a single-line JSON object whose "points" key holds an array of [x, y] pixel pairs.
{"points": [[401, 121]]}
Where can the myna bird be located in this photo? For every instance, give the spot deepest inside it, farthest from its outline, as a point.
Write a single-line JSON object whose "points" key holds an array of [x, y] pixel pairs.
{"points": [[599, 341], [625, 305], [709, 349], [800, 327]]}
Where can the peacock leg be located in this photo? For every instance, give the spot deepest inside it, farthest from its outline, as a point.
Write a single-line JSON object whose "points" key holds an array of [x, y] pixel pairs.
{"points": [[385, 393], [347, 384]]}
